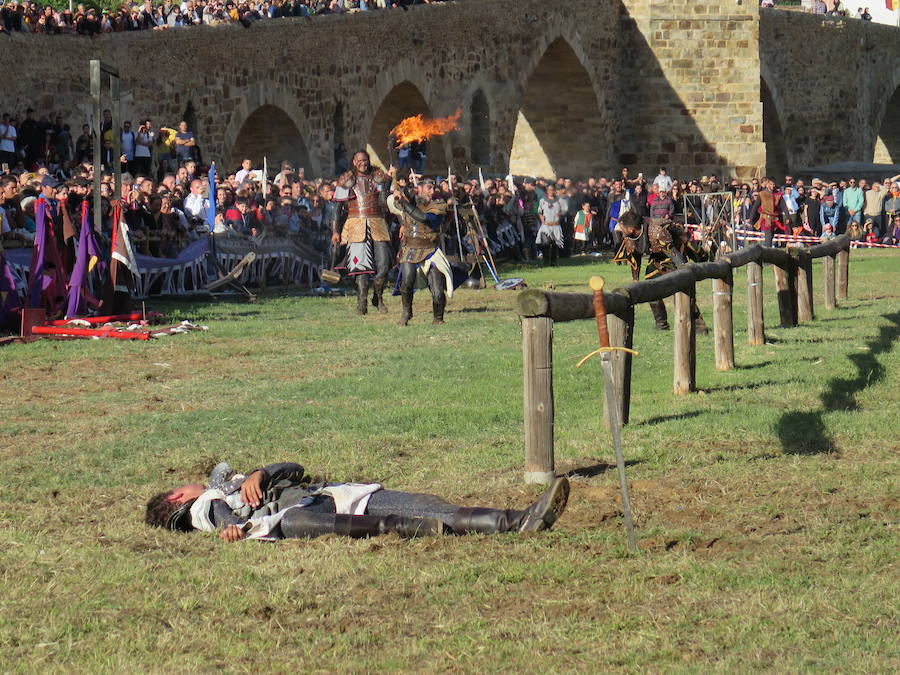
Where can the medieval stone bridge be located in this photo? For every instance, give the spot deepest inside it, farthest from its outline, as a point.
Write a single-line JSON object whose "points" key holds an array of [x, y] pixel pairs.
{"points": [[569, 87]]}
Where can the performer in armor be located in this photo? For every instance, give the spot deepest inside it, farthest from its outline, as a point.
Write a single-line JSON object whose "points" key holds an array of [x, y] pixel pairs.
{"points": [[278, 501], [359, 225], [667, 246], [421, 226]]}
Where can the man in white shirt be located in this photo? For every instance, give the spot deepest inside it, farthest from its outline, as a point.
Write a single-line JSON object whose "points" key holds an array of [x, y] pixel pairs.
{"points": [[246, 168], [129, 142], [663, 180], [196, 206], [143, 150], [8, 137]]}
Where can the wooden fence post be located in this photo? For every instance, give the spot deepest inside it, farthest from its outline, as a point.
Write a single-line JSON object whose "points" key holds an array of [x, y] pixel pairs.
{"points": [[828, 263], [756, 330], [724, 323], [787, 297], [843, 260], [621, 334], [537, 362], [685, 343], [804, 287]]}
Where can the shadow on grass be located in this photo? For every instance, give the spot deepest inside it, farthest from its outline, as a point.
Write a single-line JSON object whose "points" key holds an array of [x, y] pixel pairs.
{"points": [[598, 469], [751, 366], [669, 418], [803, 432], [741, 387]]}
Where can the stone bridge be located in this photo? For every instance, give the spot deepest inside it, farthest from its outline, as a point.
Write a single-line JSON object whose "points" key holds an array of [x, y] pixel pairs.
{"points": [[571, 88]]}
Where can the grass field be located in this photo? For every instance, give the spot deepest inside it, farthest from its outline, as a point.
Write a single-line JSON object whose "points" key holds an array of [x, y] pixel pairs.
{"points": [[766, 504]]}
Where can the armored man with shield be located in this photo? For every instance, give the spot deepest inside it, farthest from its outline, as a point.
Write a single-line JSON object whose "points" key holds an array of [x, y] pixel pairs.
{"points": [[359, 225], [420, 251]]}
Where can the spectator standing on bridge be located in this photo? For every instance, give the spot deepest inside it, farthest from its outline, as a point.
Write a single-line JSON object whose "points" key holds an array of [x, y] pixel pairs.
{"points": [[185, 143], [8, 136], [663, 180]]}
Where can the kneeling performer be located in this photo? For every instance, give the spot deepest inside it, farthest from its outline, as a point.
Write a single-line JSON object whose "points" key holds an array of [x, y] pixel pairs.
{"points": [[420, 249], [278, 502]]}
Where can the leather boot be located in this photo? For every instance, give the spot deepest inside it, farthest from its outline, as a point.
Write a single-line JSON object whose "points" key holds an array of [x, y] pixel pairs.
{"points": [[437, 309], [658, 308], [378, 295], [362, 290], [360, 527], [406, 298], [306, 524], [539, 516], [700, 325], [545, 256]]}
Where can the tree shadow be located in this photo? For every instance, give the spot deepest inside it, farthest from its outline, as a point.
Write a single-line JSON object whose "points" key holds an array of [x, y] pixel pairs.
{"points": [[751, 366], [741, 387], [598, 469], [803, 432], [669, 418]]}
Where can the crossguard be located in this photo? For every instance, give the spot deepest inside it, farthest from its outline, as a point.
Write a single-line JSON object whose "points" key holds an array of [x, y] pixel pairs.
{"points": [[607, 349]]}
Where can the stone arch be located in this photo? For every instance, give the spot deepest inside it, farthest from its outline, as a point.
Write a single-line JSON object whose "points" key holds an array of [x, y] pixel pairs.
{"points": [[560, 128], [403, 100], [773, 133], [480, 130], [266, 104], [269, 133], [887, 129]]}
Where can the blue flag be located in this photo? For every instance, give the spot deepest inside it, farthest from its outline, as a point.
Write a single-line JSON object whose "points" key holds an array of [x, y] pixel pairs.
{"points": [[211, 211]]}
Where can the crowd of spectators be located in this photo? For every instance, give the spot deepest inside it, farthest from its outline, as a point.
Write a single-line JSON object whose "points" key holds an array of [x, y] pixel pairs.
{"points": [[31, 17], [167, 205]]}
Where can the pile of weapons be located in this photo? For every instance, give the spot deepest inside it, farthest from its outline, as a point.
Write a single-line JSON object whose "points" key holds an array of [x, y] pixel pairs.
{"points": [[136, 326]]}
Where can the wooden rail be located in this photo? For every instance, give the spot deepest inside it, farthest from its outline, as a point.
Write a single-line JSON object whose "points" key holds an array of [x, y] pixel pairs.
{"points": [[539, 310]]}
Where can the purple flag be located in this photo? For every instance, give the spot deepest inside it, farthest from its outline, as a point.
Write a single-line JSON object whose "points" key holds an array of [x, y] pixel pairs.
{"points": [[87, 258], [10, 302], [36, 273]]}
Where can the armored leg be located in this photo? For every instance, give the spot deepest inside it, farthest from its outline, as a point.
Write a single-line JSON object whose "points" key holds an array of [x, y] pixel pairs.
{"points": [[382, 250], [658, 307], [378, 294], [697, 318], [362, 291], [437, 284], [303, 523], [407, 286]]}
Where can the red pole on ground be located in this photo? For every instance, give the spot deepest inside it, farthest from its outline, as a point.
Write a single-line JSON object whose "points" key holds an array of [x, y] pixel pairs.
{"points": [[90, 332]]}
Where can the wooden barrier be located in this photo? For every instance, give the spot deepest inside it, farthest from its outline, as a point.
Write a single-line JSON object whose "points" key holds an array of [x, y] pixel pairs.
{"points": [[541, 309], [723, 291], [829, 262], [537, 355]]}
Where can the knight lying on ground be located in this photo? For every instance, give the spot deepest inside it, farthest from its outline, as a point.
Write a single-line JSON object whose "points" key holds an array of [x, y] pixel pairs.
{"points": [[278, 501]]}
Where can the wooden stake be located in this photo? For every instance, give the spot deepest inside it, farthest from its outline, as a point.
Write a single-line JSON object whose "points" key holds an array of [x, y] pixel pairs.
{"points": [[828, 262], [843, 260], [756, 330], [724, 322], [804, 288], [537, 362], [787, 297], [621, 334], [685, 345]]}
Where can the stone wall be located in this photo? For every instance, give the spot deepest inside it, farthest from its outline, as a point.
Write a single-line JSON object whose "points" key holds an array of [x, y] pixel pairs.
{"points": [[831, 82], [571, 87]]}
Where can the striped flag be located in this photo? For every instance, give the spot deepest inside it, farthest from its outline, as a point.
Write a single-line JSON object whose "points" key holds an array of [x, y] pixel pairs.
{"points": [[892, 4]]}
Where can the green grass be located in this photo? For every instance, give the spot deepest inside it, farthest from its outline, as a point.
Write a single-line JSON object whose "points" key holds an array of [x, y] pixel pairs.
{"points": [[766, 505]]}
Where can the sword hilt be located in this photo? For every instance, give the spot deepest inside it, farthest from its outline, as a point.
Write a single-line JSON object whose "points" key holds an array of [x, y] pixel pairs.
{"points": [[596, 284]]}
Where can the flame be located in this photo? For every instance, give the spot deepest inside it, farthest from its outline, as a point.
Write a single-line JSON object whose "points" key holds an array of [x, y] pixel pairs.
{"points": [[418, 128]]}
